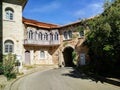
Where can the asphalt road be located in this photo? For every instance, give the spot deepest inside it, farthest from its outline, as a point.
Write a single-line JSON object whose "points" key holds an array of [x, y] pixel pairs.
{"points": [[60, 79]]}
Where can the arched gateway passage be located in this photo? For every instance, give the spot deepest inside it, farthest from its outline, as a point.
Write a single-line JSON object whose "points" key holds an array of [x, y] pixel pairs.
{"points": [[67, 53]]}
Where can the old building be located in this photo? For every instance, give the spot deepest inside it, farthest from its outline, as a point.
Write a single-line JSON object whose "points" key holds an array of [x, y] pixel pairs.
{"points": [[37, 42]]}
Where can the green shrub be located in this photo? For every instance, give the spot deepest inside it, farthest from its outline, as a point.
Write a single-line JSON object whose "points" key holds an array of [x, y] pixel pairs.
{"points": [[1, 68], [9, 66], [74, 57]]}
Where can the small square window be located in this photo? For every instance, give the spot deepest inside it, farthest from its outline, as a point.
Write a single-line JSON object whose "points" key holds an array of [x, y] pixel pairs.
{"points": [[81, 34], [42, 54]]}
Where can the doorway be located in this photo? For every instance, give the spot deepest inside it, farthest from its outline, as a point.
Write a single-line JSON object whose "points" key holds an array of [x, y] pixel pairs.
{"points": [[67, 53], [27, 57]]}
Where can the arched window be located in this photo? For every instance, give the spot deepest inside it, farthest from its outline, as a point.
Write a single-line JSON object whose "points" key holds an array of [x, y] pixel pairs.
{"points": [[65, 35], [9, 13], [42, 54], [56, 36], [40, 36], [9, 46], [36, 36], [70, 34], [51, 36], [30, 34], [45, 36]]}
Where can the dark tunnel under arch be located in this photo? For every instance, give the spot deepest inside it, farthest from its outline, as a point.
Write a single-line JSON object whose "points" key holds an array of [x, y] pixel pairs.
{"points": [[68, 60]]}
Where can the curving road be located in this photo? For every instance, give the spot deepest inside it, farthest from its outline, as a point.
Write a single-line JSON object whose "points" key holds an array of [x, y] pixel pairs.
{"points": [[60, 79]]}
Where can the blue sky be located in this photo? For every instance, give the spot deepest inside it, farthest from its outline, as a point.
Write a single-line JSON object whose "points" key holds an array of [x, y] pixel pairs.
{"points": [[62, 11]]}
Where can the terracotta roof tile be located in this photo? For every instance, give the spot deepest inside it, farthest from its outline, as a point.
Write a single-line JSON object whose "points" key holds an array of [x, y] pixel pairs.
{"points": [[39, 24], [49, 26], [77, 22]]}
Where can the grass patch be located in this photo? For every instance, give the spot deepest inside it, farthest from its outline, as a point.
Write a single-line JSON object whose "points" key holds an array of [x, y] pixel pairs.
{"points": [[2, 86], [19, 74], [29, 66]]}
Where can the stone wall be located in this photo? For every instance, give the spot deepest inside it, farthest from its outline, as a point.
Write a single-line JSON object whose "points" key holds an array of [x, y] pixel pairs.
{"points": [[13, 29], [35, 54], [76, 42]]}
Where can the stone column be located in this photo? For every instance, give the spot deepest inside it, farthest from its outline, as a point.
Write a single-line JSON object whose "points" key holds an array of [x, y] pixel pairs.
{"points": [[61, 59], [31, 57]]}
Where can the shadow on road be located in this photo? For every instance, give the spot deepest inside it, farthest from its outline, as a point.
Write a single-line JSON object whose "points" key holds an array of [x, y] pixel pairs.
{"points": [[77, 74]]}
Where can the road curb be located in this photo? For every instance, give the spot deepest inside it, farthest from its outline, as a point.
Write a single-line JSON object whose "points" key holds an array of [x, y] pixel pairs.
{"points": [[9, 86]]}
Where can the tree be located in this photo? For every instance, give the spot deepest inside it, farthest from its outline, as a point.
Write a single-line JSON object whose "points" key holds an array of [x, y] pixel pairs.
{"points": [[107, 4], [103, 40]]}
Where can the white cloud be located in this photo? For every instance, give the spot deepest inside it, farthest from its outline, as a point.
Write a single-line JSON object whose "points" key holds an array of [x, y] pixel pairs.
{"points": [[46, 8], [96, 7], [90, 10]]}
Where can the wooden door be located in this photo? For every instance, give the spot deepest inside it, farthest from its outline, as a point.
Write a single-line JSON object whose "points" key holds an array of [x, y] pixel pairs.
{"points": [[27, 57]]}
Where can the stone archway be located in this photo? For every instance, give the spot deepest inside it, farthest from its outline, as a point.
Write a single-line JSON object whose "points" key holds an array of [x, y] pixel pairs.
{"points": [[67, 54]]}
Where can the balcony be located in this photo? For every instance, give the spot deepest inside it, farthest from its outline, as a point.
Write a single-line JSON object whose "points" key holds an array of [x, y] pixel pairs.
{"points": [[41, 42]]}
